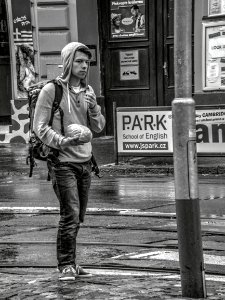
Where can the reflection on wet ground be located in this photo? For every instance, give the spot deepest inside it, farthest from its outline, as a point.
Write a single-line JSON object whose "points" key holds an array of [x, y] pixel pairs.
{"points": [[130, 224], [112, 237], [114, 191]]}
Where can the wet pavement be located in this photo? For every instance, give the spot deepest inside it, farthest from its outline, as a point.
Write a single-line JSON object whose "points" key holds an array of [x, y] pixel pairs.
{"points": [[128, 240], [43, 284]]}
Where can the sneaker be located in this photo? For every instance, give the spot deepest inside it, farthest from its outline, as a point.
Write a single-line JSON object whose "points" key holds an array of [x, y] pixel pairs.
{"points": [[68, 273], [80, 272]]}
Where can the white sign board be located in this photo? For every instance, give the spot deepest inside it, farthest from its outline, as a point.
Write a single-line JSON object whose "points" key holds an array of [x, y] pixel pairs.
{"points": [[149, 131], [210, 129], [129, 65], [129, 58], [144, 131], [129, 73], [213, 55], [217, 46]]}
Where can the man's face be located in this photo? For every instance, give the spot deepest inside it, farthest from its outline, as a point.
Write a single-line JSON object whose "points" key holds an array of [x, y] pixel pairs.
{"points": [[134, 12], [80, 65]]}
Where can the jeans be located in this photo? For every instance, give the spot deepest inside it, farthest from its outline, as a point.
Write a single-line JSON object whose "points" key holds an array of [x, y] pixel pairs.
{"points": [[71, 183]]}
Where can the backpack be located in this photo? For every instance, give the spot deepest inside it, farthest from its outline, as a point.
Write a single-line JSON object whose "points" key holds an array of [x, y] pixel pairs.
{"points": [[37, 149]]}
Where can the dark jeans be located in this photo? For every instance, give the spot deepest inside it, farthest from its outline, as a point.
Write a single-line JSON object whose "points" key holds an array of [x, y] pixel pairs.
{"points": [[71, 183]]}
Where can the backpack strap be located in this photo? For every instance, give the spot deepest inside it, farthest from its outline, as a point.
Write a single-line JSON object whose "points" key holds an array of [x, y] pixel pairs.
{"points": [[53, 154], [56, 105]]}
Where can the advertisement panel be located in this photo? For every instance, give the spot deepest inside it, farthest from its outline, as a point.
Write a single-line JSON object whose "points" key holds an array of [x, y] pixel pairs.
{"points": [[127, 19], [210, 130], [23, 43], [147, 131], [144, 131], [216, 7], [214, 55]]}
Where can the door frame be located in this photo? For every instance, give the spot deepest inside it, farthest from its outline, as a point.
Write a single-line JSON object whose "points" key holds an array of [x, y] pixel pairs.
{"points": [[11, 48], [160, 59], [163, 41], [11, 66]]}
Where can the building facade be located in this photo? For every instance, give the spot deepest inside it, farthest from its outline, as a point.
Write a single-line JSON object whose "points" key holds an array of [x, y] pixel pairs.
{"points": [[132, 46]]}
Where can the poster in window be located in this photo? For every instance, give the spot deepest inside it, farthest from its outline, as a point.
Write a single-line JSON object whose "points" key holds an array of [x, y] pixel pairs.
{"points": [[216, 7], [23, 43], [127, 19], [214, 55]]}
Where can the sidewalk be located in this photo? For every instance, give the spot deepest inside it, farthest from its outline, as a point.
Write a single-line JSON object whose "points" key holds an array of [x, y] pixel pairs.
{"points": [[42, 283], [103, 149]]}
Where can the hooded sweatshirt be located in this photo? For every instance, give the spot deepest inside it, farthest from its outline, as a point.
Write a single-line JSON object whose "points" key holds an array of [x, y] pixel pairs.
{"points": [[76, 111]]}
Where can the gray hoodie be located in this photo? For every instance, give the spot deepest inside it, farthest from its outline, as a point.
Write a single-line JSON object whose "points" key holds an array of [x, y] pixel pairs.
{"points": [[76, 111]]}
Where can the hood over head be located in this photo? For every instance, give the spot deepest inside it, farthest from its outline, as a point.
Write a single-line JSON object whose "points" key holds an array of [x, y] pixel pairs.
{"points": [[67, 56]]}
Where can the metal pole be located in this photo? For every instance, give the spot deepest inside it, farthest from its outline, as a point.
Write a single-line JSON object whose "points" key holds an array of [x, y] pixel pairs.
{"points": [[115, 135], [185, 158]]}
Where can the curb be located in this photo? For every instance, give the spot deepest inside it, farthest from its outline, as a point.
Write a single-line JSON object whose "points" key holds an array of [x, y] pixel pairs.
{"points": [[125, 169]]}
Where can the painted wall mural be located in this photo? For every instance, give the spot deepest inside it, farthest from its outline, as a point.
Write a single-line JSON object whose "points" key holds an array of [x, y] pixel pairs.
{"points": [[19, 130]]}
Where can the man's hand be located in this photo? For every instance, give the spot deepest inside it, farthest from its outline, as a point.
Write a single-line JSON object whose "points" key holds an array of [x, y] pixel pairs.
{"points": [[90, 98], [71, 141]]}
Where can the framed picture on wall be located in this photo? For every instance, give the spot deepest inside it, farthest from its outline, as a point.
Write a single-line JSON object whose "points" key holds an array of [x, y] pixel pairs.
{"points": [[216, 7], [213, 56], [127, 19]]}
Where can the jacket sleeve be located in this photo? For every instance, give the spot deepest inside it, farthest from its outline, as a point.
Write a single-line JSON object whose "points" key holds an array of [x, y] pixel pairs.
{"points": [[42, 117], [96, 119]]}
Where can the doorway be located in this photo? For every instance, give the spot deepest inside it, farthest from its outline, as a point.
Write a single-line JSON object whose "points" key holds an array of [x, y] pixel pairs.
{"points": [[152, 51], [128, 55], [5, 67]]}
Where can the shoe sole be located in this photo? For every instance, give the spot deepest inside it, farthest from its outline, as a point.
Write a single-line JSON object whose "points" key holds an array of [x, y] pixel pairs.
{"points": [[67, 279]]}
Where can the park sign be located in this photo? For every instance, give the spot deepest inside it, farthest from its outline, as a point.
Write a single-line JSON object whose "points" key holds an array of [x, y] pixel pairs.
{"points": [[147, 131]]}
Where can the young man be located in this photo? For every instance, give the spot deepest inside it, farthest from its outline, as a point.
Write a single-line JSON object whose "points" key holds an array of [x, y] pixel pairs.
{"points": [[71, 171]]}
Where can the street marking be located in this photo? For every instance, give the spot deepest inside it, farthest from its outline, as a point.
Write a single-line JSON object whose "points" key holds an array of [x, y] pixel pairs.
{"points": [[170, 256], [120, 211], [32, 281], [113, 211], [158, 275], [126, 273], [24, 209]]}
